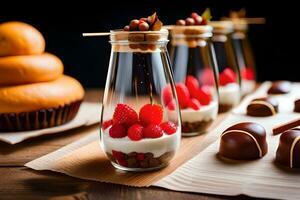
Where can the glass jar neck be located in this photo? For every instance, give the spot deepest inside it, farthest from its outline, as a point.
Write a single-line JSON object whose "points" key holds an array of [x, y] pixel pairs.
{"points": [[220, 36], [132, 41]]}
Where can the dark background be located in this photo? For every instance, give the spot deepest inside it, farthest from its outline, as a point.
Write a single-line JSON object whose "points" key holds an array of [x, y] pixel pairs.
{"points": [[274, 44]]}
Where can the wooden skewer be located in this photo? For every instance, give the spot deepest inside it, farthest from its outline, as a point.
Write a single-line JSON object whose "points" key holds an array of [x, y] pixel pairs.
{"points": [[168, 26], [95, 34], [254, 20]]}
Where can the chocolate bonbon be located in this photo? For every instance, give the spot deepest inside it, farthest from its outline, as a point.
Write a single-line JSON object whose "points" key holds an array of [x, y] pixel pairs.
{"points": [[297, 106], [262, 107], [280, 87], [288, 151], [243, 141]]}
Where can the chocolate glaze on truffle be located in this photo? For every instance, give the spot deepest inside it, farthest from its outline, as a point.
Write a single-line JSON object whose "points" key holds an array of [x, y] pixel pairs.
{"points": [[297, 105], [243, 141], [280, 87], [262, 107], [288, 151]]}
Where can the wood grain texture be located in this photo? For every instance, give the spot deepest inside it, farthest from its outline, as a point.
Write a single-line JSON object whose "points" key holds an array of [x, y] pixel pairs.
{"points": [[18, 182], [23, 183]]}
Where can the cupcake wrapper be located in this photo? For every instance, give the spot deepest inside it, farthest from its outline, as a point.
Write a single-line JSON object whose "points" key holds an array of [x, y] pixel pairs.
{"points": [[40, 119]]}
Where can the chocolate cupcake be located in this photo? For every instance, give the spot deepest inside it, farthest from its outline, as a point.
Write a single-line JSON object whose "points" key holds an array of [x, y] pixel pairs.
{"points": [[262, 107], [34, 93]]}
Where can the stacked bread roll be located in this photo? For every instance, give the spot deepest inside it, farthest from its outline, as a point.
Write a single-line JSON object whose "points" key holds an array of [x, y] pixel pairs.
{"points": [[34, 93]]}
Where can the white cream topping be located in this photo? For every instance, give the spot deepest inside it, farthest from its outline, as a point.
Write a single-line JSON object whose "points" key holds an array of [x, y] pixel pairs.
{"points": [[248, 86], [157, 146], [229, 94], [205, 113]]}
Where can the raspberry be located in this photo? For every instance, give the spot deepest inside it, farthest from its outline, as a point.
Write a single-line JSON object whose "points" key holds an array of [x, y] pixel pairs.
{"points": [[207, 77], [118, 155], [151, 114], [171, 105], [168, 127], [167, 94], [140, 156], [204, 21], [183, 95], [143, 26], [124, 115], [189, 21], [194, 104], [194, 15], [135, 132], [227, 76], [117, 131], [153, 131], [198, 20], [107, 124], [192, 84], [247, 74], [203, 95]]}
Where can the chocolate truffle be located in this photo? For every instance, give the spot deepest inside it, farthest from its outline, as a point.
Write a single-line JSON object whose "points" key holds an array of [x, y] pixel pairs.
{"points": [[288, 151], [243, 141], [280, 87], [262, 107], [297, 105]]}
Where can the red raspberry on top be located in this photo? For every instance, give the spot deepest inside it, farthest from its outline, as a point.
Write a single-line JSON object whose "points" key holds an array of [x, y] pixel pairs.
{"points": [[135, 132], [107, 124], [168, 127], [153, 131], [167, 94], [124, 114], [227, 76], [183, 95], [247, 74], [151, 114], [194, 104], [171, 105], [117, 131], [207, 77], [192, 84], [204, 95]]}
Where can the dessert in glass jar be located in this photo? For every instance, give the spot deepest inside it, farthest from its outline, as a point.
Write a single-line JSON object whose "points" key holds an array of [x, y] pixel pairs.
{"points": [[229, 77], [137, 132], [244, 55], [195, 74]]}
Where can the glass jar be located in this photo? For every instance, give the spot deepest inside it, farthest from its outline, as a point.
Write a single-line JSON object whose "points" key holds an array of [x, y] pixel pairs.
{"points": [[195, 73], [229, 75], [244, 55], [138, 133]]}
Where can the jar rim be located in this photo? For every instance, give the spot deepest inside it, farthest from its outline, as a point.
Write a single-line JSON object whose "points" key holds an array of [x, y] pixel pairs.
{"points": [[197, 31], [121, 31], [139, 37], [222, 27]]}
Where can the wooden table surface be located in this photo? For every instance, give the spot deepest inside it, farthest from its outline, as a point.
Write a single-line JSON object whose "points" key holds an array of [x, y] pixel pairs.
{"points": [[19, 182]]}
